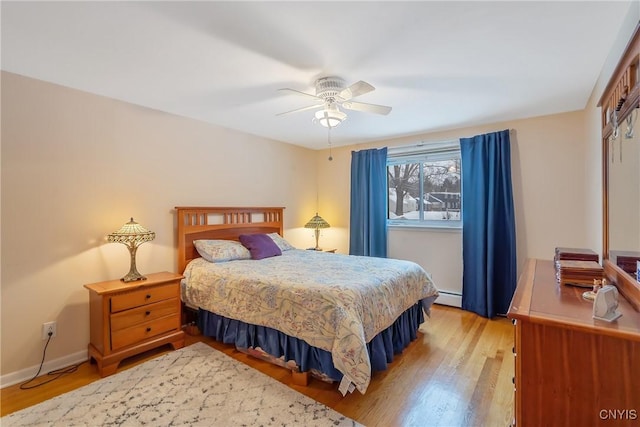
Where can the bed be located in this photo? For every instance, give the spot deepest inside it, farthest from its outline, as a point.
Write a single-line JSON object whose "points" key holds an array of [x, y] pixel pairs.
{"points": [[339, 317]]}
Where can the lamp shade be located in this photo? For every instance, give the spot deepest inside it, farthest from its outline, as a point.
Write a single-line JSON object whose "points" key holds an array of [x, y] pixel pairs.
{"points": [[132, 235], [317, 222]]}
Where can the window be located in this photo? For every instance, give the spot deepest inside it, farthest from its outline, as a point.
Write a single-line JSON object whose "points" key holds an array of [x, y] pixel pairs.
{"points": [[424, 185]]}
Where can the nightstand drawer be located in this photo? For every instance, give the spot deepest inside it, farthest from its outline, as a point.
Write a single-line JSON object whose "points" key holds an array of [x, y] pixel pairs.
{"points": [[143, 297], [143, 331], [146, 313]]}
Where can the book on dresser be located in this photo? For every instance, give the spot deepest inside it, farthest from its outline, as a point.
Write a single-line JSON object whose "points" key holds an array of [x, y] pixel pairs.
{"points": [[576, 254], [578, 273]]}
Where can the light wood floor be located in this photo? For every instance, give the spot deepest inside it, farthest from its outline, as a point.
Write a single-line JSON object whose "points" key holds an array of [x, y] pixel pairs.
{"points": [[457, 373]]}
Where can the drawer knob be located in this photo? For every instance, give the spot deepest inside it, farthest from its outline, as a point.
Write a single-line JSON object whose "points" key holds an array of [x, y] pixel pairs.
{"points": [[148, 296], [147, 313], [148, 329]]}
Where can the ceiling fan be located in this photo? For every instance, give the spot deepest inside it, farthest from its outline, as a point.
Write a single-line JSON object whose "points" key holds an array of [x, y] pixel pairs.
{"points": [[333, 94]]}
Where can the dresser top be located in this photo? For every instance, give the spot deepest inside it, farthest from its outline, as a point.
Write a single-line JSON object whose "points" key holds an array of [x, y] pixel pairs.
{"points": [[111, 286], [540, 299]]}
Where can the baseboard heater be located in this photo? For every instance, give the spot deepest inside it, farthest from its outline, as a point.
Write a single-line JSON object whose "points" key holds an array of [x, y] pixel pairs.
{"points": [[453, 299]]}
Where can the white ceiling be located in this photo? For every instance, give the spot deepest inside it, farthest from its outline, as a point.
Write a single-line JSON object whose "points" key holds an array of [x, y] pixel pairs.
{"points": [[440, 65]]}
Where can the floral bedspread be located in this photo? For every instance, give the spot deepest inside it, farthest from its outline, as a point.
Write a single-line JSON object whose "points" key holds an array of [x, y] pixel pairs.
{"points": [[331, 301]]}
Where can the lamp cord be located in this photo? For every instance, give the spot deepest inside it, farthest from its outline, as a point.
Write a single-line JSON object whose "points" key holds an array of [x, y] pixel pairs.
{"points": [[57, 372]]}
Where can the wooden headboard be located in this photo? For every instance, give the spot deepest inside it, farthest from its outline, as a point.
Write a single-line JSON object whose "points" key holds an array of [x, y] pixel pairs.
{"points": [[221, 223]]}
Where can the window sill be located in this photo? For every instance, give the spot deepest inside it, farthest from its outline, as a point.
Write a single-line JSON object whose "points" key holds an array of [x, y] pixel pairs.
{"points": [[426, 227]]}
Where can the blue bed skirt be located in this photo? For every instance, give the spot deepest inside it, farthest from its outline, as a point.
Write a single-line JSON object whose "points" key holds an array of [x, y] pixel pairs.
{"points": [[381, 348]]}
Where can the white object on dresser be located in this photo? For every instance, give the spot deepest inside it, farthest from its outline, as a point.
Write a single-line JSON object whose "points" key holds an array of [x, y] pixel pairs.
{"points": [[605, 306]]}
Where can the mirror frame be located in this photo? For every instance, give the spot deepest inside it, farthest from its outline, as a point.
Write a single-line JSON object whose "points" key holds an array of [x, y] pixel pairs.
{"points": [[623, 94]]}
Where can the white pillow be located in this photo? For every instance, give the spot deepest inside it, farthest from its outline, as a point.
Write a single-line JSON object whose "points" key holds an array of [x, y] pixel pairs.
{"points": [[281, 242], [221, 250]]}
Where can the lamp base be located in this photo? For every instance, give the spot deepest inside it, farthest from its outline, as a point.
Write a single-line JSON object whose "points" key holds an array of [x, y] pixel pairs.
{"points": [[133, 277], [133, 274]]}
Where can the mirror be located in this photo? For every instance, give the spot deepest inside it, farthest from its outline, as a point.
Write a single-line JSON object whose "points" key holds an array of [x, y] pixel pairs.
{"points": [[624, 193], [620, 104]]}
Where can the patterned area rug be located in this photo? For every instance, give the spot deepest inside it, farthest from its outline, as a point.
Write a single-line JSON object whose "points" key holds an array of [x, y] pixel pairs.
{"points": [[195, 386]]}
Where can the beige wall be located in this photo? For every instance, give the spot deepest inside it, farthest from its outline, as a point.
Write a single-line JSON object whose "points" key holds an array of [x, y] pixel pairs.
{"points": [[76, 166], [593, 183]]}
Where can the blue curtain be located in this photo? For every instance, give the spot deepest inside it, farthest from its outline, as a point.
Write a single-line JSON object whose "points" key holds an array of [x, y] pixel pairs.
{"points": [[368, 225], [488, 224]]}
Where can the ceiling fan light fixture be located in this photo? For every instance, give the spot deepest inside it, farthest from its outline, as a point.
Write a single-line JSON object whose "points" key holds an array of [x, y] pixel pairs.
{"points": [[329, 117]]}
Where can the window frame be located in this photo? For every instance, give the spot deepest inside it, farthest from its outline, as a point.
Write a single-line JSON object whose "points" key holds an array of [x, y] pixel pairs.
{"points": [[421, 153]]}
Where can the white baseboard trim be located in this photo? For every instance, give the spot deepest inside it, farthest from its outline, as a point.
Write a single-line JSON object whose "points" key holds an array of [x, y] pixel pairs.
{"points": [[52, 365], [449, 298]]}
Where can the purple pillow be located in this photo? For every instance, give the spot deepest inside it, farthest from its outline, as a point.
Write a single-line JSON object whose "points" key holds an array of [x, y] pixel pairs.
{"points": [[260, 245]]}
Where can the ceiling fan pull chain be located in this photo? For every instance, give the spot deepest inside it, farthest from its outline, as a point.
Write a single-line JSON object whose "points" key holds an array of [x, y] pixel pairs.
{"points": [[329, 138]]}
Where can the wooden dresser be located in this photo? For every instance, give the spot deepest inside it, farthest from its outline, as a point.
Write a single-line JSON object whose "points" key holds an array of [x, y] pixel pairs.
{"points": [[129, 318], [572, 370]]}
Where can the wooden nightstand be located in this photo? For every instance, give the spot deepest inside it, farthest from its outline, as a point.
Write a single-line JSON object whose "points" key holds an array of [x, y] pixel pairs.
{"points": [[130, 318]]}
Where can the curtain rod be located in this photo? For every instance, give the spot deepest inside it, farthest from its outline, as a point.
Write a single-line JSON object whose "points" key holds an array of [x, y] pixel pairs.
{"points": [[422, 143]]}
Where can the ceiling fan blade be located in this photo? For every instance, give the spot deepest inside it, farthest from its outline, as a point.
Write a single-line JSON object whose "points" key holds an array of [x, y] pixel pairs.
{"points": [[301, 93], [367, 108], [310, 107], [356, 89]]}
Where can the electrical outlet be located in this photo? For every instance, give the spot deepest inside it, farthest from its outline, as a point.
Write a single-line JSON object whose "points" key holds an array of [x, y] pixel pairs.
{"points": [[48, 328]]}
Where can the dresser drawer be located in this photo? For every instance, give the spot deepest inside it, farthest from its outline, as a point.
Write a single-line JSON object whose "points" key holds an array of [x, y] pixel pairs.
{"points": [[145, 313], [143, 296], [143, 331]]}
